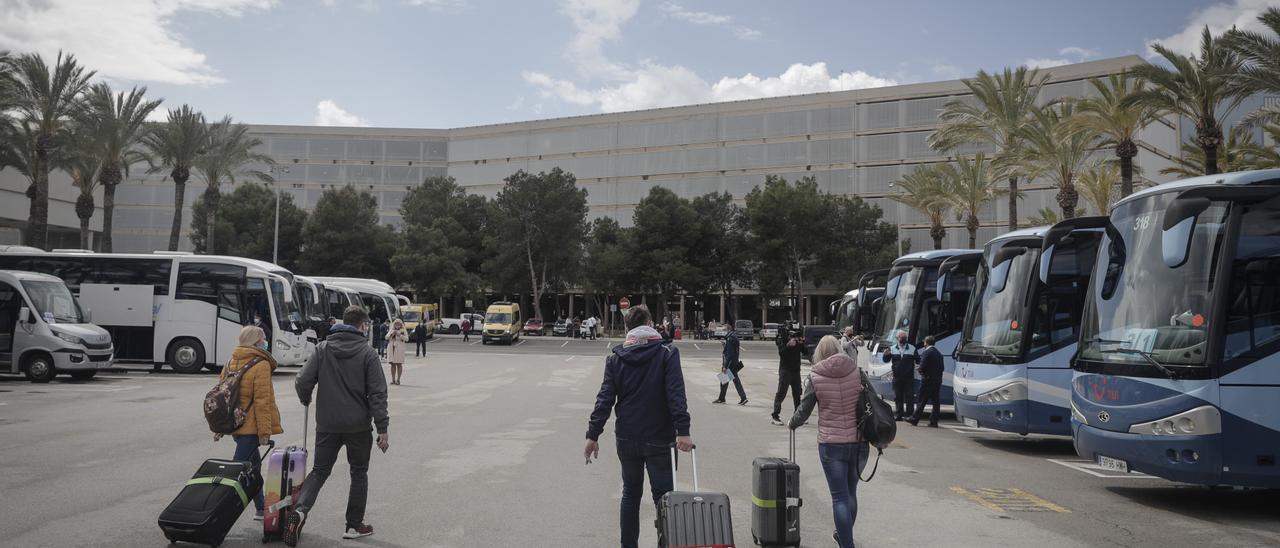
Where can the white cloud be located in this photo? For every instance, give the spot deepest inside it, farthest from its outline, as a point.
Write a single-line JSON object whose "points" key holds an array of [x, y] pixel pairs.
{"points": [[1242, 14], [438, 4], [597, 22], [677, 11], [124, 39], [797, 79], [1070, 54], [328, 113]]}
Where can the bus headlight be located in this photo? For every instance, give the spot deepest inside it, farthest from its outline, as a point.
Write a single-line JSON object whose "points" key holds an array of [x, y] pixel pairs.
{"points": [[283, 345], [1014, 391], [68, 337], [1201, 421]]}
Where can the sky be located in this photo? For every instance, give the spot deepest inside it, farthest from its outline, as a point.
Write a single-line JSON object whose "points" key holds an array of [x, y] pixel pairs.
{"points": [[457, 63]]}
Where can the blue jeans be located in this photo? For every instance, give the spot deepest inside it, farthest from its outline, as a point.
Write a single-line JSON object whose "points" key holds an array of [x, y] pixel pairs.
{"points": [[247, 450], [636, 457], [842, 463]]}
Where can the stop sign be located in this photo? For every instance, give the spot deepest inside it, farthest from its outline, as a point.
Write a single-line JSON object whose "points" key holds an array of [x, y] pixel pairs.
{"points": [[624, 303]]}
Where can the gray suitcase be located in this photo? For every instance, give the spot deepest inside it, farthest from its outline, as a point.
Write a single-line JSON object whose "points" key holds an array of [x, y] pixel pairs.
{"points": [[775, 500], [693, 519]]}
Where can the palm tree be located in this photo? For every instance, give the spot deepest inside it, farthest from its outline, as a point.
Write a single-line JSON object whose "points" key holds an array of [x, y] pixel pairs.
{"points": [[119, 123], [230, 149], [178, 145], [1057, 149], [973, 185], [1117, 120], [1202, 88], [1005, 105], [1261, 156], [1046, 216], [1233, 155], [46, 97], [82, 162], [1098, 186], [927, 191], [1260, 71]]}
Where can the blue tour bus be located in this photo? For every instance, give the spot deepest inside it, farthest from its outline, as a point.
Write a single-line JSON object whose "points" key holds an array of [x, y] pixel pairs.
{"points": [[912, 303], [857, 308], [1177, 374], [1013, 363]]}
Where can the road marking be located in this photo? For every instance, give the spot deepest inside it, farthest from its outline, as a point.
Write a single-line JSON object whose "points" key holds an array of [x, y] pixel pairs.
{"points": [[1009, 500], [522, 341], [695, 345], [570, 358], [1092, 468], [566, 343], [475, 343]]}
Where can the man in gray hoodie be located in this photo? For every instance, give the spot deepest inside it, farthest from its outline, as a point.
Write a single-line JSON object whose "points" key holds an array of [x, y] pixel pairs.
{"points": [[352, 394]]}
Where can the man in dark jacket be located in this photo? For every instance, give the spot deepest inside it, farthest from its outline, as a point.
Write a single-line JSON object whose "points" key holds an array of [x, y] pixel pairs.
{"points": [[790, 350], [643, 382], [732, 365], [352, 394], [930, 383], [905, 358], [420, 336]]}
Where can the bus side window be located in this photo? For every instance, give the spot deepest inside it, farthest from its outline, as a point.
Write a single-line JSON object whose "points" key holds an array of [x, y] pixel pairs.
{"points": [[1253, 308]]}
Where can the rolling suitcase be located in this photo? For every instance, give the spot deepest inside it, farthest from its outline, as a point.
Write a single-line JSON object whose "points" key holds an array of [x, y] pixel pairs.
{"points": [[693, 519], [775, 500], [286, 468], [209, 504]]}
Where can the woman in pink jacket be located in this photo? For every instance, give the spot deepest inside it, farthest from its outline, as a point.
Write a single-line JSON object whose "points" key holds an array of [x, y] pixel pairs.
{"points": [[397, 339], [835, 388]]}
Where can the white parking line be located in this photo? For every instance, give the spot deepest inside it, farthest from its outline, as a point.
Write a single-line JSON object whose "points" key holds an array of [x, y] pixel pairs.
{"points": [[566, 343], [695, 345], [475, 343], [522, 341], [570, 358]]}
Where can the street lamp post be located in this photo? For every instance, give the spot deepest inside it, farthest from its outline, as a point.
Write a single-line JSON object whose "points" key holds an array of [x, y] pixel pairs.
{"points": [[901, 251], [275, 245]]}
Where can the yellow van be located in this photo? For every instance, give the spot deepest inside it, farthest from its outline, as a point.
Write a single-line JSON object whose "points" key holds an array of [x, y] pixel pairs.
{"points": [[502, 322], [413, 314]]}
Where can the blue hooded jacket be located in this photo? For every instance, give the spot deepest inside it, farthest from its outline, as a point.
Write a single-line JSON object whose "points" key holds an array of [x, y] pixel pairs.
{"points": [[644, 383]]}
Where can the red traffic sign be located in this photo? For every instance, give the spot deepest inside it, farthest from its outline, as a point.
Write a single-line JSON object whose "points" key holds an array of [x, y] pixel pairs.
{"points": [[624, 303]]}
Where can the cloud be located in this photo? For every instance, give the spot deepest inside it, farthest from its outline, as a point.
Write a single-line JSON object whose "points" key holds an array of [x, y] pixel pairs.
{"points": [[1242, 14], [122, 39], [328, 113], [653, 85], [1071, 54], [702, 18], [438, 4], [597, 22]]}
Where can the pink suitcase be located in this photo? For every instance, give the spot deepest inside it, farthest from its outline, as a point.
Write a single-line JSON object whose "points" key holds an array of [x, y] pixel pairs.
{"points": [[286, 468]]}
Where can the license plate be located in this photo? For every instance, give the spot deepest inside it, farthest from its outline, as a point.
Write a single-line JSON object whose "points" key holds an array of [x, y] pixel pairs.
{"points": [[1113, 464], [971, 423]]}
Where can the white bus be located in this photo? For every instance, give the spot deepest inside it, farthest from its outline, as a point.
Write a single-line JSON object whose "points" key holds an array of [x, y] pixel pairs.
{"points": [[176, 308], [378, 297], [44, 332]]}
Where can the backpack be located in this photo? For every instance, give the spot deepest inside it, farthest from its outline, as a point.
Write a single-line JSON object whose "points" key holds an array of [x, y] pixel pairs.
{"points": [[875, 420], [222, 402]]}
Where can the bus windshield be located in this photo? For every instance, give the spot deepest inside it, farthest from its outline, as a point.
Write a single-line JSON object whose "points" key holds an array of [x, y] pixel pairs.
{"points": [[287, 314], [896, 312], [994, 321], [1140, 311], [53, 300], [500, 318], [845, 312]]}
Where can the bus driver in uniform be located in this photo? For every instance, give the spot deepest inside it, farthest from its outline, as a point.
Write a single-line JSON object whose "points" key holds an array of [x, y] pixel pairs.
{"points": [[905, 357]]}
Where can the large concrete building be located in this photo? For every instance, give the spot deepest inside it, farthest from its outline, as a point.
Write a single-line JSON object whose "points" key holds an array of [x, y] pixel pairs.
{"points": [[852, 142]]}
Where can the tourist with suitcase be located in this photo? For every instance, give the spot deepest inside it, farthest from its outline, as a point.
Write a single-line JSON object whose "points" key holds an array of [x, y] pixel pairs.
{"points": [[835, 387], [257, 400], [644, 384]]}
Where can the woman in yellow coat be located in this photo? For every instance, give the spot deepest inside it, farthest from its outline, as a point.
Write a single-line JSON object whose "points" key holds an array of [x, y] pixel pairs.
{"points": [[257, 398]]}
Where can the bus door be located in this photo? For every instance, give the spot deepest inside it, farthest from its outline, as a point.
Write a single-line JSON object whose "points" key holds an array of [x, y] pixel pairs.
{"points": [[289, 343], [10, 303]]}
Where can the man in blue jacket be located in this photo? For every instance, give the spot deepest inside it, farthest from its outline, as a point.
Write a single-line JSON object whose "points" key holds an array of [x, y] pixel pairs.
{"points": [[731, 364], [905, 358], [931, 367], [644, 383]]}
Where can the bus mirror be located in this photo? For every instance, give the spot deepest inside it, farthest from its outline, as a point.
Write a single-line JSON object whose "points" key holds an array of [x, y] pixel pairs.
{"points": [[891, 288], [1000, 275], [24, 315], [1178, 225], [941, 286], [88, 315], [1046, 257]]}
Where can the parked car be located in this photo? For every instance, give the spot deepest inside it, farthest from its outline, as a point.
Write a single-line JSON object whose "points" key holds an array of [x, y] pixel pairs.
{"points": [[453, 326], [769, 332], [533, 326], [744, 329], [560, 328], [720, 331]]}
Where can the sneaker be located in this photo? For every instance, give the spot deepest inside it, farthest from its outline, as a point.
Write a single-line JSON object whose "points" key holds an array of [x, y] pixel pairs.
{"points": [[777, 421], [257, 516], [743, 402], [717, 401], [914, 422], [293, 527], [358, 531]]}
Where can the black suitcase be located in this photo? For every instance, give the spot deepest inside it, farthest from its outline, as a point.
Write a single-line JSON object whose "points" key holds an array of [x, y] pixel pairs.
{"points": [[775, 500], [693, 519], [209, 503]]}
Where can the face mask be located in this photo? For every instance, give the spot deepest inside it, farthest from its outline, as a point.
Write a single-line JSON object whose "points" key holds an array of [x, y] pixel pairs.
{"points": [[263, 345]]}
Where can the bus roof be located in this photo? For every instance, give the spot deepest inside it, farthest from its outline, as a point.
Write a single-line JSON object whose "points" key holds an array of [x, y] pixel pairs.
{"points": [[159, 255], [1234, 178], [1022, 233], [27, 275], [367, 285], [934, 255]]}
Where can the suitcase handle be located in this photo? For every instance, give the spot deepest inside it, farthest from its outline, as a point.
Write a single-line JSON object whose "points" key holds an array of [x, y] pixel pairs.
{"points": [[693, 455], [306, 422], [793, 444]]}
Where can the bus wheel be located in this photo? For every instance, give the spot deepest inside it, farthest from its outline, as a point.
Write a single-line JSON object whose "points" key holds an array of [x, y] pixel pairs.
{"points": [[185, 355], [39, 368], [84, 374]]}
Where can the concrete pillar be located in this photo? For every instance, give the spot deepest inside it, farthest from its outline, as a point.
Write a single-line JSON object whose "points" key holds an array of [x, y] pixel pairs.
{"points": [[571, 306], [764, 310], [683, 324], [721, 317]]}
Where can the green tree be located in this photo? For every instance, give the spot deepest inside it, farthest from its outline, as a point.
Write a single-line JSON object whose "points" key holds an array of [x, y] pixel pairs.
{"points": [[719, 247], [1046, 216], [1258, 156], [1117, 120], [663, 224], [1098, 186], [608, 263], [538, 224], [438, 255], [342, 237], [229, 148], [1260, 68], [45, 97], [1202, 88], [1232, 155], [176, 145], [927, 191], [1056, 148], [1004, 104], [82, 160], [974, 185], [246, 223], [118, 125]]}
